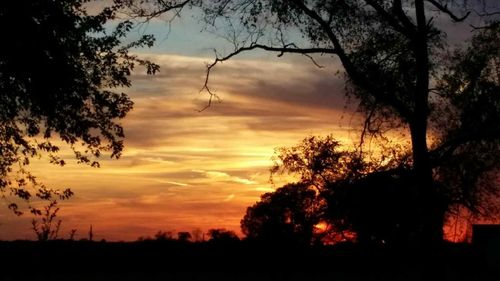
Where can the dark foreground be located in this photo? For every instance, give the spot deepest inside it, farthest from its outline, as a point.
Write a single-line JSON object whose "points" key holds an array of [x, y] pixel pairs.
{"points": [[170, 260]]}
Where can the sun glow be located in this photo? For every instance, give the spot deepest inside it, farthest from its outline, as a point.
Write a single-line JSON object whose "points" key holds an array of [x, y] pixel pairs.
{"points": [[182, 169]]}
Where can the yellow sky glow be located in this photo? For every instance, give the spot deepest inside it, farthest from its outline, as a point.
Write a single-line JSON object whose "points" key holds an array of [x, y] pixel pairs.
{"points": [[182, 169]]}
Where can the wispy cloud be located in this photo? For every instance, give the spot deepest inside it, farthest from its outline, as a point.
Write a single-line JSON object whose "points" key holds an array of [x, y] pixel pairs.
{"points": [[174, 183], [218, 176], [183, 169]]}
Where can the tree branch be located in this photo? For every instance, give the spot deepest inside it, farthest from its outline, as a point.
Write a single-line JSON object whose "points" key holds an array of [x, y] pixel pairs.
{"points": [[444, 9], [165, 7], [397, 9], [447, 148], [390, 19], [488, 14], [281, 50], [350, 68], [492, 25]]}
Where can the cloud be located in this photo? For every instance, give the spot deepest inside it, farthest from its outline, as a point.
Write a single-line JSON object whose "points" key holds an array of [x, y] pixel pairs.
{"points": [[225, 177], [257, 96], [182, 169], [174, 183]]}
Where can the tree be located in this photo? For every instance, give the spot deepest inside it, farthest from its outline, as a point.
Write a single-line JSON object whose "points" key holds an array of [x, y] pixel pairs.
{"points": [[221, 235], [370, 196], [378, 207], [61, 71], [48, 229], [183, 236], [388, 49], [287, 215], [359, 194], [466, 157]]}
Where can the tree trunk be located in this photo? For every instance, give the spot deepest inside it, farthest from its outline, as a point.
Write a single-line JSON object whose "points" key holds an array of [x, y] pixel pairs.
{"points": [[430, 210], [430, 214]]}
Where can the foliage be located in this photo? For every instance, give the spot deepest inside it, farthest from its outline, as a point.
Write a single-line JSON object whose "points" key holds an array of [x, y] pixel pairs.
{"points": [[345, 190], [317, 161], [373, 199], [184, 236], [467, 153], [221, 235], [61, 71], [287, 215], [164, 235], [391, 53], [48, 228]]}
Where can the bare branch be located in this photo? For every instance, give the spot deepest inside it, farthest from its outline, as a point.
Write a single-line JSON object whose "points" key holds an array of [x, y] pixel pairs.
{"points": [[408, 32], [205, 85], [166, 7], [366, 127], [487, 26], [447, 148], [313, 61], [487, 14], [444, 9], [282, 50]]}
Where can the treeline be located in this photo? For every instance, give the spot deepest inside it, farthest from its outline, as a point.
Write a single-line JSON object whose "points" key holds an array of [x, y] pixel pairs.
{"points": [[171, 255], [196, 235]]}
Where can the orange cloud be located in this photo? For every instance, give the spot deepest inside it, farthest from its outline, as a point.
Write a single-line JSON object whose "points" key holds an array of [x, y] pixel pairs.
{"points": [[182, 169]]}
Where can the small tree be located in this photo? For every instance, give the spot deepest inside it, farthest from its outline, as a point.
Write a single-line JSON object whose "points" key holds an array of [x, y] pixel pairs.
{"points": [[221, 235], [164, 235], [287, 215], [184, 236], [48, 228]]}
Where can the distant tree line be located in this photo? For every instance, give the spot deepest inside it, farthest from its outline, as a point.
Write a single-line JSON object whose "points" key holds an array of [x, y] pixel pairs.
{"points": [[216, 235]]}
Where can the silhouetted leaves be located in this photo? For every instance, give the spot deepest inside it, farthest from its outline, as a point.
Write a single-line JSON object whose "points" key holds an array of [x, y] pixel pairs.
{"points": [[368, 198], [164, 235], [47, 228], [287, 215], [469, 147], [61, 72], [221, 235], [184, 236]]}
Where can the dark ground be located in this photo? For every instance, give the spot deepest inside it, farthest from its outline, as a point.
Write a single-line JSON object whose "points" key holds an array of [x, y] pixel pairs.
{"points": [[172, 260]]}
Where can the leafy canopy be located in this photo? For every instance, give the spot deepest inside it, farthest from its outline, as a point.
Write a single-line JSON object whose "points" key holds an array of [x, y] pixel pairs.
{"points": [[61, 75]]}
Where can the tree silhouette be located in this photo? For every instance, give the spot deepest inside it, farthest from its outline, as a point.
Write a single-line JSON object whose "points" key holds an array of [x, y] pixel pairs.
{"points": [[60, 75], [221, 235], [164, 236], [287, 215], [370, 195], [378, 207], [466, 157], [48, 228], [355, 192], [389, 50], [184, 236]]}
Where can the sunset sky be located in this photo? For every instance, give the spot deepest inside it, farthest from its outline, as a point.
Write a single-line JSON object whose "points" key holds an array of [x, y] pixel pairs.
{"points": [[182, 169]]}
